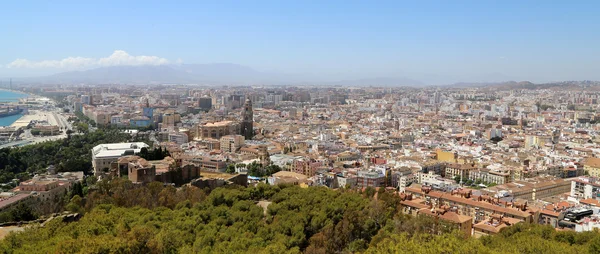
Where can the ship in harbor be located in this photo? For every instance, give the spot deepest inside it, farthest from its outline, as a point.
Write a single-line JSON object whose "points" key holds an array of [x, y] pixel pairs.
{"points": [[8, 111]]}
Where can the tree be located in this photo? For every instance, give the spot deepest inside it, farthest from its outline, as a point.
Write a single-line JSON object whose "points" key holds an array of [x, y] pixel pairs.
{"points": [[230, 169], [154, 154], [457, 179], [22, 212], [272, 169], [75, 205], [82, 127], [76, 190], [255, 169]]}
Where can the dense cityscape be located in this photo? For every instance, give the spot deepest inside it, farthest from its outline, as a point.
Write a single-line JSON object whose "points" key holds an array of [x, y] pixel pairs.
{"points": [[478, 159], [314, 127]]}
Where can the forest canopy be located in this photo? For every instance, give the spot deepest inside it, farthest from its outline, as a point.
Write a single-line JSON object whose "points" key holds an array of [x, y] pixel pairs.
{"points": [[124, 218]]}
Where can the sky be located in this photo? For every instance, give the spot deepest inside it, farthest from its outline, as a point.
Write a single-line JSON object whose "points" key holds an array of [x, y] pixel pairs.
{"points": [[433, 41]]}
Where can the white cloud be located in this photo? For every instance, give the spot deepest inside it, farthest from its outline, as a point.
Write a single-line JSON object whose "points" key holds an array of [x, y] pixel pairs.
{"points": [[118, 57]]}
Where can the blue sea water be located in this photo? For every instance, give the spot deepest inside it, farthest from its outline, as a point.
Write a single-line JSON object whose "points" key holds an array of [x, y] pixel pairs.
{"points": [[9, 96]]}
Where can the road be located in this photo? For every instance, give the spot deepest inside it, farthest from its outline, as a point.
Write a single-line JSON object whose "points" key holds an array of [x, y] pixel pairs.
{"points": [[16, 143], [61, 121]]}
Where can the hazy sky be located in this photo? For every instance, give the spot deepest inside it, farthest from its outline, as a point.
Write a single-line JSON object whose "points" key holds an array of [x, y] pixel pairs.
{"points": [[453, 40]]}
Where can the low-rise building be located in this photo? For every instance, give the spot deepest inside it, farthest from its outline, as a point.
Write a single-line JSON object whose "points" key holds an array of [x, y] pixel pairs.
{"points": [[585, 187], [372, 179], [591, 165], [493, 225], [461, 222], [105, 154], [454, 170]]}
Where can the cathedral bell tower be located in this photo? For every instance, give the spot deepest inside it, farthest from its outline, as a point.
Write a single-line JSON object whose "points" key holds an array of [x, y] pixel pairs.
{"points": [[246, 128]]}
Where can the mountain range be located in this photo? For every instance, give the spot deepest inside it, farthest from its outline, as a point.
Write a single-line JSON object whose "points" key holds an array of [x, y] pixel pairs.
{"points": [[209, 74], [235, 74]]}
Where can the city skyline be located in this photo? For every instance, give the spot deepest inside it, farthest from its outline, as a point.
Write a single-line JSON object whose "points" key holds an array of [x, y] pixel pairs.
{"points": [[434, 43]]}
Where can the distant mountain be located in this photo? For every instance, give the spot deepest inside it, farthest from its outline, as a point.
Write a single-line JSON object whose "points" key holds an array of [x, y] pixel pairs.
{"points": [[495, 77], [219, 73], [489, 84], [510, 85], [122, 74], [380, 82]]}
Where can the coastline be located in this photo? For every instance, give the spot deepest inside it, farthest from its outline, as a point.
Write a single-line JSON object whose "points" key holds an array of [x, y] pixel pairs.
{"points": [[28, 95], [26, 118], [15, 91], [13, 98]]}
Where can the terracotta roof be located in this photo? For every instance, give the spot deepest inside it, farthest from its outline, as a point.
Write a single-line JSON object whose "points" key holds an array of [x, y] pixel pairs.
{"points": [[590, 201], [473, 202], [485, 225], [416, 203], [446, 215]]}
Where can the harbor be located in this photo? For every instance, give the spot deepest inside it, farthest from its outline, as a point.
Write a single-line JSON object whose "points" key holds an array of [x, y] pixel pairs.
{"points": [[29, 119]]}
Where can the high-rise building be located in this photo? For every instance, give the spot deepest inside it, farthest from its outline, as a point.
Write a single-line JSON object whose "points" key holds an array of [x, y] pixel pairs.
{"points": [[205, 103], [147, 110], [246, 128], [231, 143], [86, 100]]}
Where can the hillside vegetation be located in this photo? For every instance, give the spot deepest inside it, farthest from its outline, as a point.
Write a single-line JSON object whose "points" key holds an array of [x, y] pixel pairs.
{"points": [[123, 218], [70, 154]]}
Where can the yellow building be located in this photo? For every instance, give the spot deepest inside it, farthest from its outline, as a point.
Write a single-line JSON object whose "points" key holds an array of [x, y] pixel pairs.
{"points": [[446, 156], [533, 141], [592, 166], [170, 119], [450, 157], [101, 118]]}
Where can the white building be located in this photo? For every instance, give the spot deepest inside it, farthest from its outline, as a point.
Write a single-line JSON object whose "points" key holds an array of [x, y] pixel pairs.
{"points": [[116, 119], [178, 138], [105, 154], [585, 187], [436, 181], [406, 180]]}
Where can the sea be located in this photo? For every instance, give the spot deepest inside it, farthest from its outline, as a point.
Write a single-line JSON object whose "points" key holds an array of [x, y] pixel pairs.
{"points": [[10, 96]]}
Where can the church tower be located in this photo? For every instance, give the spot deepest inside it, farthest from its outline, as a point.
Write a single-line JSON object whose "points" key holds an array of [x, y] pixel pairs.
{"points": [[246, 128]]}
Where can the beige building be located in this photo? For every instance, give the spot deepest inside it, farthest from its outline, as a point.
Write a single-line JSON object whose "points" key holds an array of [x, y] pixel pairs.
{"points": [[592, 166], [534, 188], [170, 119], [478, 207], [462, 170], [533, 141], [462, 222], [490, 176], [231, 143], [101, 118], [493, 225]]}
